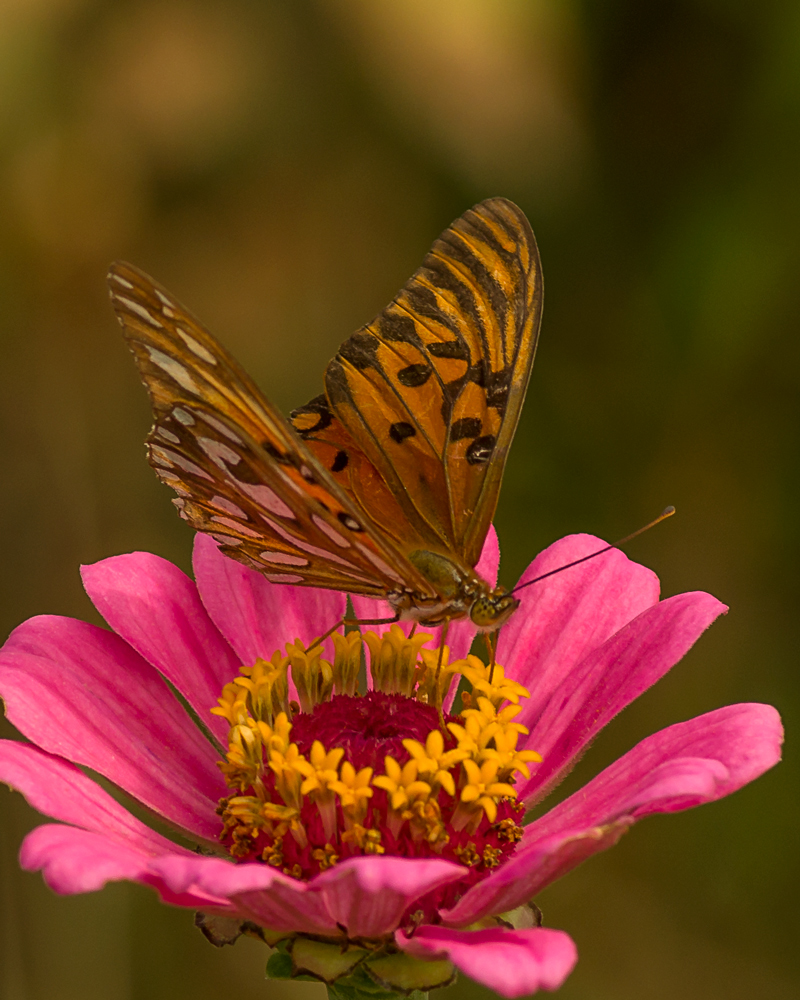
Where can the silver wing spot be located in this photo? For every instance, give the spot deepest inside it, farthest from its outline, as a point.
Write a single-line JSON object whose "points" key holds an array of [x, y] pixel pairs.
{"points": [[196, 347], [183, 417], [141, 312], [227, 540], [268, 498], [227, 505], [243, 529], [223, 429], [313, 550], [284, 557], [382, 565], [168, 435], [219, 453], [173, 458], [331, 532], [174, 369]]}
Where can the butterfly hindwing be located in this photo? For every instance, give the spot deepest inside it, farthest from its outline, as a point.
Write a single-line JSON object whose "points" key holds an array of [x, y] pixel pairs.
{"points": [[240, 471]]}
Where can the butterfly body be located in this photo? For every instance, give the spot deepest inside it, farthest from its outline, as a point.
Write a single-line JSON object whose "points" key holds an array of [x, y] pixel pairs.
{"points": [[384, 485], [463, 594]]}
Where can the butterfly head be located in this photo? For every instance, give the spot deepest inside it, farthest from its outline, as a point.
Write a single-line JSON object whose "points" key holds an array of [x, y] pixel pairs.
{"points": [[492, 609]]}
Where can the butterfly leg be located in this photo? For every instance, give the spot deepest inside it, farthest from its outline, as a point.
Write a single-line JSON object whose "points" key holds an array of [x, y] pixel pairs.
{"points": [[491, 646], [437, 694], [369, 621], [320, 639], [352, 621]]}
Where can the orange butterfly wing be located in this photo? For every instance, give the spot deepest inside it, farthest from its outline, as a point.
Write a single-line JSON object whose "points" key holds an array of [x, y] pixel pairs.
{"points": [[423, 402], [241, 472]]}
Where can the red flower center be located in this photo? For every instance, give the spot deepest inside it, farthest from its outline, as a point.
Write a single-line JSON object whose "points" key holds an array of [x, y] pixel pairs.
{"points": [[386, 772]]}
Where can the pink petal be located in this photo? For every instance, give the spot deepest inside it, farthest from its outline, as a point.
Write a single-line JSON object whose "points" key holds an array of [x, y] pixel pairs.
{"points": [[82, 693], [488, 566], [156, 608], [610, 678], [563, 618], [680, 767], [256, 616], [368, 895], [60, 790], [73, 860], [259, 892], [512, 963]]}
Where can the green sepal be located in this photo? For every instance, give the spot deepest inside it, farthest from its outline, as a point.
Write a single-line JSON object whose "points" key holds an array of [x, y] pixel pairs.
{"points": [[523, 917], [324, 960], [407, 975], [281, 966], [358, 986]]}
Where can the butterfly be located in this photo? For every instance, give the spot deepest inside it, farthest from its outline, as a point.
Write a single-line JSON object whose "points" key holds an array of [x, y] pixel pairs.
{"points": [[386, 484]]}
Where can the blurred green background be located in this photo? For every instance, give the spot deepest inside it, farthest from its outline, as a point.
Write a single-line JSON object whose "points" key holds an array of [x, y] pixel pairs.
{"points": [[283, 167]]}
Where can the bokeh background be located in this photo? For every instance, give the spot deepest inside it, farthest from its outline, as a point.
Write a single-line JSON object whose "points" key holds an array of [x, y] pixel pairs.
{"points": [[283, 167]]}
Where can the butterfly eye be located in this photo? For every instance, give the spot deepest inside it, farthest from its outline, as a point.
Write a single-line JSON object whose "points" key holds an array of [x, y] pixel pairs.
{"points": [[488, 612]]}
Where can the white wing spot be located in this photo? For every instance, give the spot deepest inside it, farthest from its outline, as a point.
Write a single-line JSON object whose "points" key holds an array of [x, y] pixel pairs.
{"points": [[166, 457], [268, 498], [284, 557], [224, 504], [166, 305], [227, 539], [139, 309], [174, 369], [183, 417], [330, 531], [313, 550], [168, 435], [241, 528], [382, 565], [120, 280], [219, 453], [222, 428], [196, 347], [160, 456], [283, 578]]}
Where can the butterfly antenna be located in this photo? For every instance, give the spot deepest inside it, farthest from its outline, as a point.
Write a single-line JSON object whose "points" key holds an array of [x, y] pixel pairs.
{"points": [[667, 512]]}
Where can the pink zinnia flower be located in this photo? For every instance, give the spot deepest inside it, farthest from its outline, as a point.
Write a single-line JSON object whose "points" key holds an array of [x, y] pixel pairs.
{"points": [[372, 836]]}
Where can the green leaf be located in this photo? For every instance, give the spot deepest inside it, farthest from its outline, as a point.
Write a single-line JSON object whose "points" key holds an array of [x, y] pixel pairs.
{"points": [[279, 966]]}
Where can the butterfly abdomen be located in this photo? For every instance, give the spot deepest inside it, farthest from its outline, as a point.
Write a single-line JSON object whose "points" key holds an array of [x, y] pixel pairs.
{"points": [[444, 575]]}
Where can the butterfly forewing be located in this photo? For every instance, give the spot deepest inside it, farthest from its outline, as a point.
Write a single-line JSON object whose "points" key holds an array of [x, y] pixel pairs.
{"points": [[430, 392], [240, 471]]}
